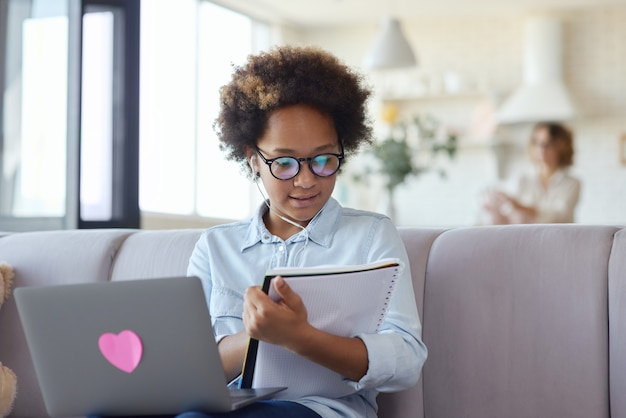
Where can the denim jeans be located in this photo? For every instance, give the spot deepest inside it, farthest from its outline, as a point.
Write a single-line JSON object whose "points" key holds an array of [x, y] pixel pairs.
{"points": [[261, 409]]}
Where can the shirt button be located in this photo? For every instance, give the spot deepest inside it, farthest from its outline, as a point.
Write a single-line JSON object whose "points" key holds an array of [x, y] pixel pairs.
{"points": [[281, 248]]}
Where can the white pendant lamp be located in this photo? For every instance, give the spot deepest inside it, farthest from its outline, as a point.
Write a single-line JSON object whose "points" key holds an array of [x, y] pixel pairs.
{"points": [[391, 49]]}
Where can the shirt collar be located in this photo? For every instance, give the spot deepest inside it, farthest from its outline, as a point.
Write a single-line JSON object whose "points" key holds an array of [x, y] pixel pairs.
{"points": [[321, 229], [559, 174]]}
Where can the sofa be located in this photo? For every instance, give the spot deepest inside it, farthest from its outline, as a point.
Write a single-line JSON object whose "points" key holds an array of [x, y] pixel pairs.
{"points": [[520, 321]]}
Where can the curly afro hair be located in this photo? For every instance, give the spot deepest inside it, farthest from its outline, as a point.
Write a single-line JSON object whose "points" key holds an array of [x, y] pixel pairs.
{"points": [[287, 76]]}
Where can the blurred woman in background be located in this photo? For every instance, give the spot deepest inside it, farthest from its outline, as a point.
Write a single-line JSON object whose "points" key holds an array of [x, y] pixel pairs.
{"points": [[547, 195]]}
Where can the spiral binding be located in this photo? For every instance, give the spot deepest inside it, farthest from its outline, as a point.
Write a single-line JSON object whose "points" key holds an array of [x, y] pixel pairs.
{"points": [[387, 298]]}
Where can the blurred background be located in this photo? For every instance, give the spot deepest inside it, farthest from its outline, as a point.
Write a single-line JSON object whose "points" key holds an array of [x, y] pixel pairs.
{"points": [[107, 106]]}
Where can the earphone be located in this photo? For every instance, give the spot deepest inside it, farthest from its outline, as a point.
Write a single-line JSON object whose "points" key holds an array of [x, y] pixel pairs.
{"points": [[254, 166], [267, 200], [253, 163]]}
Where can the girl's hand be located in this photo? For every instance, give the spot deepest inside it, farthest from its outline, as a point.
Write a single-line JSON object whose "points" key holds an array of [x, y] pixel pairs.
{"points": [[283, 322]]}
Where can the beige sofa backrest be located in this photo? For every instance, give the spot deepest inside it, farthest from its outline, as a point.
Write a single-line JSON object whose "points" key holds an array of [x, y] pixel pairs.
{"points": [[517, 319], [148, 254], [617, 325], [41, 259]]}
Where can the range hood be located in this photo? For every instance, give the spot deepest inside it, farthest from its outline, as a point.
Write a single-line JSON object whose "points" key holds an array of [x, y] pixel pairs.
{"points": [[543, 95]]}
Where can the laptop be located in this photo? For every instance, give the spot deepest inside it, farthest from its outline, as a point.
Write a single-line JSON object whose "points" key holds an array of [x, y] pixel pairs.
{"points": [[139, 347]]}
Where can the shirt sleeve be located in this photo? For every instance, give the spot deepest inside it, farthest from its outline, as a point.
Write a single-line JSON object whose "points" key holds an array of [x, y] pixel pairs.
{"points": [[199, 266], [222, 303], [396, 353]]}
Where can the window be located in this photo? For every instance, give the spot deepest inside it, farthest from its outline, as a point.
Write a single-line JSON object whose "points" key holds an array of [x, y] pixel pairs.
{"points": [[96, 116], [187, 53], [34, 131]]}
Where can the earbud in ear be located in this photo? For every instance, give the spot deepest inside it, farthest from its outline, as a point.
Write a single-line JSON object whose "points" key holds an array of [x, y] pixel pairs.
{"points": [[254, 165]]}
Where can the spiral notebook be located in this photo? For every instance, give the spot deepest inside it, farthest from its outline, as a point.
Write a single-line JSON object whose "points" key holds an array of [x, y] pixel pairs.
{"points": [[342, 300]]}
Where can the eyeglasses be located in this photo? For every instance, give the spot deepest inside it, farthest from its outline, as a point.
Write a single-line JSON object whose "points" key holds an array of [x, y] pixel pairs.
{"points": [[287, 167]]}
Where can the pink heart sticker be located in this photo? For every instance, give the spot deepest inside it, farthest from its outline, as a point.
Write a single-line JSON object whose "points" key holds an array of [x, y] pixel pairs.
{"points": [[123, 350]]}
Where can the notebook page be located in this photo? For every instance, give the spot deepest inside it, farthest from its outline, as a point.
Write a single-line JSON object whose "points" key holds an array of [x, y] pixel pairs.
{"points": [[344, 304]]}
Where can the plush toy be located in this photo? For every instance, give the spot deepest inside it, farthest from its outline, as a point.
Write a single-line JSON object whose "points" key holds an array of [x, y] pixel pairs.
{"points": [[8, 381]]}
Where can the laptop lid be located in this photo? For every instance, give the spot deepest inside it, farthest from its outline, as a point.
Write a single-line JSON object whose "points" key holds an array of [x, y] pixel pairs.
{"points": [[135, 347]]}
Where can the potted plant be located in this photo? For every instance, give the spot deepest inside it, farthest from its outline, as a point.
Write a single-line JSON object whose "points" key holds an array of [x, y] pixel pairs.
{"points": [[408, 149]]}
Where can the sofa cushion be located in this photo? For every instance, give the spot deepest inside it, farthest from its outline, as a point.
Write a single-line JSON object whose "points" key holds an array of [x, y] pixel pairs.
{"points": [[617, 325], [150, 254], [516, 322], [40, 259]]}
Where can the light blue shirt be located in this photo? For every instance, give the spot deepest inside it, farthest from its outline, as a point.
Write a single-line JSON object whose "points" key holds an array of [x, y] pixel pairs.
{"points": [[229, 258]]}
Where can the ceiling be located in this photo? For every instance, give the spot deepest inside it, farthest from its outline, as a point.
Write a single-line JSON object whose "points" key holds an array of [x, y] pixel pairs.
{"points": [[341, 12]]}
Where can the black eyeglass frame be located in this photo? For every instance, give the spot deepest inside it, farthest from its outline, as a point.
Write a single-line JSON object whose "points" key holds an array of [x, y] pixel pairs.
{"points": [[270, 161]]}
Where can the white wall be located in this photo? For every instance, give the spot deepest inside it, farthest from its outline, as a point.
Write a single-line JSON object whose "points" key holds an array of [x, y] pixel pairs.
{"points": [[487, 55]]}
